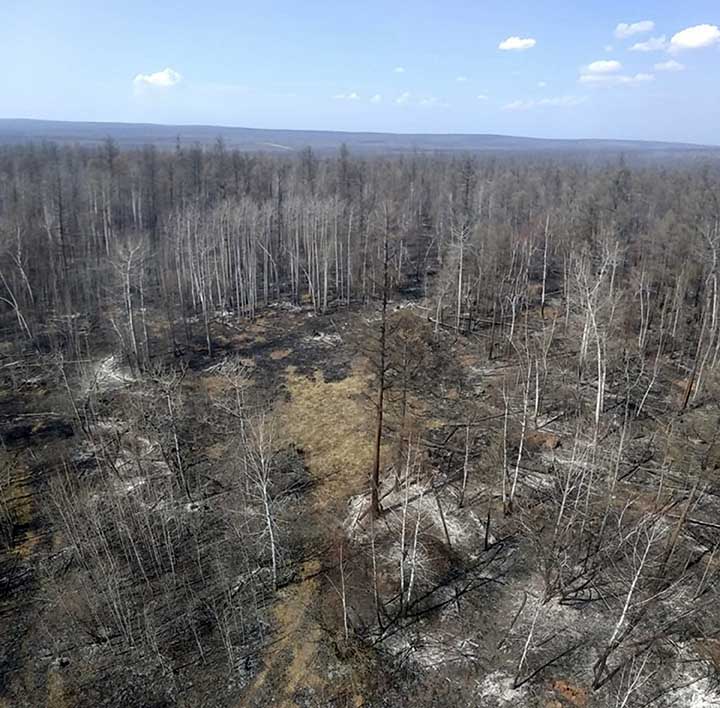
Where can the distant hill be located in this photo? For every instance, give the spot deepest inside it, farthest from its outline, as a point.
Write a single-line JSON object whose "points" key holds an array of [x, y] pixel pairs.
{"points": [[133, 135]]}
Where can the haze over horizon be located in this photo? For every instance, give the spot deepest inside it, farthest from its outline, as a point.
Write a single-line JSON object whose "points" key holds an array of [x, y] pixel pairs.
{"points": [[514, 68], [398, 133]]}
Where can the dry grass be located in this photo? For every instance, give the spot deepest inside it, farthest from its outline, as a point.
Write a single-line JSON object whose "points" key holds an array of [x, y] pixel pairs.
{"points": [[331, 423], [16, 500], [218, 451], [57, 696], [239, 341], [570, 694], [213, 384], [542, 440], [280, 354]]}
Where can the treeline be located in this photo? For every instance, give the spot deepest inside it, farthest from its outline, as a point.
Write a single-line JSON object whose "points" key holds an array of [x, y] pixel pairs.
{"points": [[197, 233]]}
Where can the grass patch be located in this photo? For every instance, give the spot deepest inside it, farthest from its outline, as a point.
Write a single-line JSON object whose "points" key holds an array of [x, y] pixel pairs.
{"points": [[331, 422], [279, 354]]}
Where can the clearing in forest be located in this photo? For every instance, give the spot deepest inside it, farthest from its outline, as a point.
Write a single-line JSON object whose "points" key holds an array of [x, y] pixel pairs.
{"points": [[330, 423]]}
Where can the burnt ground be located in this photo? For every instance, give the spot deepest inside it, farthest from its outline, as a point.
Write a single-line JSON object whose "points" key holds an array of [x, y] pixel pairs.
{"points": [[41, 438], [478, 587]]}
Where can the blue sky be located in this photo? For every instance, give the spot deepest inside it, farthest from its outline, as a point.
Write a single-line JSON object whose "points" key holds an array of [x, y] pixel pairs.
{"points": [[586, 68]]}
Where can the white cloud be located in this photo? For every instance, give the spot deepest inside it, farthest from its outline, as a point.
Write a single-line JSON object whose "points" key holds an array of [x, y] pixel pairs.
{"points": [[553, 102], [671, 65], [482, 97], [625, 30], [433, 102], [695, 38], [603, 66], [461, 79], [160, 79], [377, 98], [517, 44], [352, 96], [615, 79], [399, 70], [403, 98], [563, 101], [654, 44], [609, 48], [542, 84]]}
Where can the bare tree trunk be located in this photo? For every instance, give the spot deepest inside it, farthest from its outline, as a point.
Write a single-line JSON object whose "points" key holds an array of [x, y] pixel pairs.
{"points": [[375, 480]]}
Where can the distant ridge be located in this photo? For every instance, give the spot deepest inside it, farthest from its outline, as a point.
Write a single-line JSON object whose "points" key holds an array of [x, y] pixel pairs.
{"points": [[133, 135]]}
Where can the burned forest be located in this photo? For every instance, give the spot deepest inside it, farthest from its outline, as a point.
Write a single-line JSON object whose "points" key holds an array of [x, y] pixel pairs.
{"points": [[345, 430]]}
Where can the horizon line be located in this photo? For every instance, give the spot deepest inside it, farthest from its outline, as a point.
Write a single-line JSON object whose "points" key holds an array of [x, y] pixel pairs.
{"points": [[357, 132]]}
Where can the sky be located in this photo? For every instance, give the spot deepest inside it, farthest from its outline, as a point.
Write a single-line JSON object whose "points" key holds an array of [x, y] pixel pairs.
{"points": [[649, 69]]}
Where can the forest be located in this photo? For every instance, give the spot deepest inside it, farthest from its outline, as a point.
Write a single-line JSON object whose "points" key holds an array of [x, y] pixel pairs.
{"points": [[350, 430]]}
